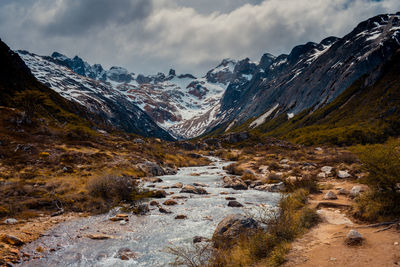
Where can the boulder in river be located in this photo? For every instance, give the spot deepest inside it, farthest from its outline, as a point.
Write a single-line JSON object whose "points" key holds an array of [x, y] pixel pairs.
{"points": [[234, 204], [170, 171], [180, 217], [200, 184], [151, 168], [234, 182], [170, 202], [163, 210], [154, 203], [231, 227], [193, 190], [159, 194], [177, 185]]}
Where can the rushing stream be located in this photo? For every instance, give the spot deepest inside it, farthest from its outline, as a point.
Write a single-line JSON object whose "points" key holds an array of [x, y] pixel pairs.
{"points": [[148, 235]]}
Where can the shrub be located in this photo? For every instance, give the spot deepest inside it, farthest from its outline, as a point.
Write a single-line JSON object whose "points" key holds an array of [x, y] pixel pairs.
{"points": [[273, 166], [79, 132], [382, 162], [116, 188], [308, 182], [248, 176], [233, 169]]}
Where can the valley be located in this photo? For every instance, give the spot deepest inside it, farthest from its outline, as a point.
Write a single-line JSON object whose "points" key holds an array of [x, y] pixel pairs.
{"points": [[293, 160]]}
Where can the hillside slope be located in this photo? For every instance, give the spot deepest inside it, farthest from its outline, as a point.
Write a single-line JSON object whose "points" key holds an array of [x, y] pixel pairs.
{"points": [[311, 76], [367, 112]]}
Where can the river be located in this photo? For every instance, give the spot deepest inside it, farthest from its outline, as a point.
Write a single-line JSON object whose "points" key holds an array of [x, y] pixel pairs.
{"points": [[149, 235]]}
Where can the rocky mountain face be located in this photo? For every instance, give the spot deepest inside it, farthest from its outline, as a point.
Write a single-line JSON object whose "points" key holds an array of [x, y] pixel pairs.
{"points": [[182, 104], [312, 75], [101, 99], [233, 92]]}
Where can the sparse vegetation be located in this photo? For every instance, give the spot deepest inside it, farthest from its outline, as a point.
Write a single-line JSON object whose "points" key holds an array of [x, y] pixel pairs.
{"points": [[269, 248], [382, 162]]}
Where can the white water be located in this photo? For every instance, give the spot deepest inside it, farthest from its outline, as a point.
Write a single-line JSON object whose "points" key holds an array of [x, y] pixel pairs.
{"points": [[148, 235]]}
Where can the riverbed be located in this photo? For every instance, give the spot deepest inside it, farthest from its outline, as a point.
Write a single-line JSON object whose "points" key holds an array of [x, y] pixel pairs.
{"points": [[149, 235]]}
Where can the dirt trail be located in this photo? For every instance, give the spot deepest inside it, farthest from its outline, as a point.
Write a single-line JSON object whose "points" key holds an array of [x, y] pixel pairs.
{"points": [[324, 245]]}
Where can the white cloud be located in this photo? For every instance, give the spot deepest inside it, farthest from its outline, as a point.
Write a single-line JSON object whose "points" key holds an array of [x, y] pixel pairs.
{"points": [[188, 35]]}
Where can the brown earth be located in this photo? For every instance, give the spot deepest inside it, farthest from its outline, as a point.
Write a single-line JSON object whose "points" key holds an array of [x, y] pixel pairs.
{"points": [[325, 244]]}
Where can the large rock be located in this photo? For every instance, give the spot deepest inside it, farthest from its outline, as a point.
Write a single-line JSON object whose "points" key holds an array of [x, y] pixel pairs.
{"points": [[343, 174], [170, 202], [330, 196], [278, 187], [193, 190], [231, 227], [234, 182], [327, 169], [354, 238], [170, 171], [356, 191], [151, 168], [158, 194], [343, 191], [234, 204]]}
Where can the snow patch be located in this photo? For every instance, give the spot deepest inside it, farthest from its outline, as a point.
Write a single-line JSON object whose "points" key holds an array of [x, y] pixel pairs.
{"points": [[262, 118]]}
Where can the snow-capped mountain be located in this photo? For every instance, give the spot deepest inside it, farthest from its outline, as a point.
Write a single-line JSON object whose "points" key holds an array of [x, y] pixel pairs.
{"points": [[311, 76], [99, 97], [181, 104]]}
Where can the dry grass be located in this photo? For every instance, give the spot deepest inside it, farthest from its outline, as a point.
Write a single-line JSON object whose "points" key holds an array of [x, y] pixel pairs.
{"points": [[269, 248]]}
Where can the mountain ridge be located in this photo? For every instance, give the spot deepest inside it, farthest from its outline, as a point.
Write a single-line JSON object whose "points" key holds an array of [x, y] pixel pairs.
{"points": [[311, 76]]}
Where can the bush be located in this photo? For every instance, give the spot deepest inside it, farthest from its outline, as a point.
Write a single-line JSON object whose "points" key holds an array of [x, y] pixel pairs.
{"points": [[309, 183], [382, 162], [233, 169], [248, 176], [115, 188]]}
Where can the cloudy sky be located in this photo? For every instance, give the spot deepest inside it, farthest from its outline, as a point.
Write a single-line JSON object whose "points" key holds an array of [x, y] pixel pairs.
{"points": [[148, 36]]}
